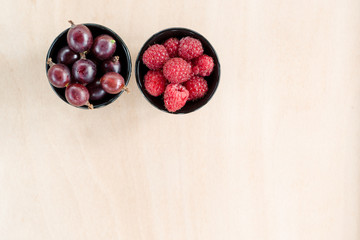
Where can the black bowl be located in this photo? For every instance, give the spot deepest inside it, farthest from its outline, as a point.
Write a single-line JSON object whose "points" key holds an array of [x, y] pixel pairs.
{"points": [[121, 50], [161, 37]]}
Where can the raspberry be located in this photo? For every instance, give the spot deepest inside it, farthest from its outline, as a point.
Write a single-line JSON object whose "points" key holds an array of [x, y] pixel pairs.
{"points": [[175, 97], [154, 82], [193, 69], [171, 46], [203, 65], [197, 87], [190, 48], [177, 70], [155, 56]]}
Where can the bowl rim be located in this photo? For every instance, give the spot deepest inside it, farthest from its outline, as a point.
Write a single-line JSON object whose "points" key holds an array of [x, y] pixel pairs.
{"points": [[127, 54], [138, 61]]}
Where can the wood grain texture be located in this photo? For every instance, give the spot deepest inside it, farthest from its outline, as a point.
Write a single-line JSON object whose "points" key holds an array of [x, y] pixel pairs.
{"points": [[274, 155]]}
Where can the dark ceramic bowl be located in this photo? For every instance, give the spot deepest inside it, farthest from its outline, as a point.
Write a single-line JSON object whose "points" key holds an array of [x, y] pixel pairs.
{"points": [[121, 51], [161, 37]]}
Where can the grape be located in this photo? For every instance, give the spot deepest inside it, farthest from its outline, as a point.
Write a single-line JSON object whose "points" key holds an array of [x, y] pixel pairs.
{"points": [[113, 83], [104, 47], [79, 38], [58, 74], [96, 91], [77, 95], [67, 56], [111, 65], [84, 71]]}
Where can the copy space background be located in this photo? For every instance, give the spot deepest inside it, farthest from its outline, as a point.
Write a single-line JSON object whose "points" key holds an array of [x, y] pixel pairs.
{"points": [[274, 155]]}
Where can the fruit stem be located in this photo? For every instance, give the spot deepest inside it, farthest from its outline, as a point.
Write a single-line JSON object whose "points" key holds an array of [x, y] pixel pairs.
{"points": [[126, 89], [116, 59], [72, 23], [89, 105], [50, 62], [83, 55]]}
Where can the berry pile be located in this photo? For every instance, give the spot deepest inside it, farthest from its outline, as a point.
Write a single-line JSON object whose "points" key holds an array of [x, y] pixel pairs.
{"points": [[86, 79], [177, 70]]}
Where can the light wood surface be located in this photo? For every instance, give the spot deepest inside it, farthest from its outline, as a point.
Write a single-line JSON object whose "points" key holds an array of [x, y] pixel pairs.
{"points": [[274, 155]]}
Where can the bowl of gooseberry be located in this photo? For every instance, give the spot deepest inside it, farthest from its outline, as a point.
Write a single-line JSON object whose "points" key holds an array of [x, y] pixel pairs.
{"points": [[88, 65]]}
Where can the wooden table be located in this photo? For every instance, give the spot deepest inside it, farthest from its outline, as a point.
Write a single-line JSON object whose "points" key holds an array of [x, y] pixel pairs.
{"points": [[274, 155]]}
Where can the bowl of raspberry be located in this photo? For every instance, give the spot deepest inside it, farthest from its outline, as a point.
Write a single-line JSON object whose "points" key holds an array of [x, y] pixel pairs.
{"points": [[177, 70], [88, 66]]}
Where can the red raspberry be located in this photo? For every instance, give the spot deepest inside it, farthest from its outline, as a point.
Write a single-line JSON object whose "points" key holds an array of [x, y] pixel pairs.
{"points": [[154, 82], [195, 70], [177, 70], [190, 48], [203, 65], [197, 87], [192, 69], [155, 56], [175, 97], [171, 46]]}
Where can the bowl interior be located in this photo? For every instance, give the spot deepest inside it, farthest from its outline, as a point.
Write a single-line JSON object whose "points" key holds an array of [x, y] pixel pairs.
{"points": [[121, 51], [161, 37]]}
